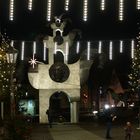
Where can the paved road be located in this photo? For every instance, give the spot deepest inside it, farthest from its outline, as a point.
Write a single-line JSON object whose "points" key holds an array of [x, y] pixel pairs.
{"points": [[82, 131]]}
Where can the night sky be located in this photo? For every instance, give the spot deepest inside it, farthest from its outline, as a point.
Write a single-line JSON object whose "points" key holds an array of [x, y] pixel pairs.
{"points": [[100, 24]]}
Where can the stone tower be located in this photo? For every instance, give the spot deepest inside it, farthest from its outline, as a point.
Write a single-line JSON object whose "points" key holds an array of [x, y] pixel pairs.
{"points": [[57, 76]]}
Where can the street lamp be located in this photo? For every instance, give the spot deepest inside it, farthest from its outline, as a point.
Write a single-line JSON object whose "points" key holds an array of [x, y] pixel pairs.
{"points": [[11, 55]]}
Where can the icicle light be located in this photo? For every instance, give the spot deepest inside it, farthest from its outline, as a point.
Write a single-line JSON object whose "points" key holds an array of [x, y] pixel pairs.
{"points": [[138, 4], [11, 10], [121, 46], [49, 5], [78, 47], [30, 4], [67, 5], [102, 5], [100, 47], [132, 48], [22, 50], [121, 9], [34, 47], [44, 51], [85, 10], [110, 50], [88, 50]]}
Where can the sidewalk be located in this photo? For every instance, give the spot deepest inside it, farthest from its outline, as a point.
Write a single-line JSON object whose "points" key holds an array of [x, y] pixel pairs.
{"points": [[63, 132], [82, 131]]}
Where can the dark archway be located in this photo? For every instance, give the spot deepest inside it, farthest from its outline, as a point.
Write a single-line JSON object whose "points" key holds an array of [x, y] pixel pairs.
{"points": [[60, 105]]}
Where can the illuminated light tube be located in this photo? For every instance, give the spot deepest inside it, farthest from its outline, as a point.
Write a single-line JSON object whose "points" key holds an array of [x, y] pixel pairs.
{"points": [[88, 50], [100, 47], [121, 10], [12, 43], [67, 51], [34, 47], [30, 4], [11, 10], [132, 48], [49, 10], [110, 50], [67, 5], [55, 47], [85, 10], [102, 7], [121, 46], [78, 47], [138, 4], [22, 50], [44, 51]]}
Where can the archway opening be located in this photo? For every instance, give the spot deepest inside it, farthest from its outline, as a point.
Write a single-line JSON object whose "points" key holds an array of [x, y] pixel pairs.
{"points": [[60, 105]]}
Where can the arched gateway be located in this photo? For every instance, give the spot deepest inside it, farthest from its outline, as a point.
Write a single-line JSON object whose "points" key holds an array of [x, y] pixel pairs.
{"points": [[57, 78]]}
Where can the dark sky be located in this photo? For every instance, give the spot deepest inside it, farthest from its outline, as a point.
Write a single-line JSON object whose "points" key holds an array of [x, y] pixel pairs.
{"points": [[100, 24]]}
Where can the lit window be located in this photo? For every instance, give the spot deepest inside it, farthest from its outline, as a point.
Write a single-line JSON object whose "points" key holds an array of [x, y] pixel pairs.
{"points": [[11, 10], [85, 10], [49, 10], [121, 9]]}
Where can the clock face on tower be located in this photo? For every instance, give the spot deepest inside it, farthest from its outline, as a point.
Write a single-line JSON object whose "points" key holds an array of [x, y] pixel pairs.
{"points": [[59, 72]]}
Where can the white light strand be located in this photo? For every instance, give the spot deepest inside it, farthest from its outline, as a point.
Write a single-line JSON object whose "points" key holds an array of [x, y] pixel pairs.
{"points": [[11, 10], [55, 47], [22, 50], [67, 51], [88, 50], [12, 43], [121, 46], [78, 47], [138, 4], [30, 4], [85, 10], [49, 5], [100, 47], [102, 5], [67, 5], [121, 10], [132, 48], [44, 52], [34, 47], [110, 50]]}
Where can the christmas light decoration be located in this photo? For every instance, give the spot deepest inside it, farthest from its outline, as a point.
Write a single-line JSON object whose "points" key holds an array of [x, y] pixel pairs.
{"points": [[30, 4], [34, 47], [88, 50], [49, 8], [121, 46], [134, 76], [44, 52], [110, 50], [132, 48], [22, 50], [121, 10], [102, 5], [138, 4], [33, 61], [78, 47], [85, 10], [11, 10], [67, 5], [100, 47]]}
